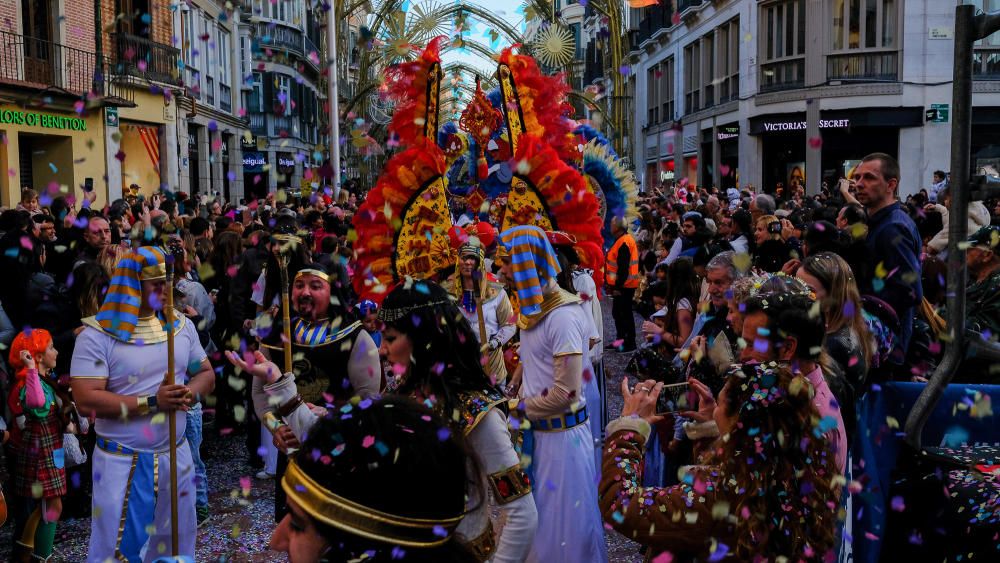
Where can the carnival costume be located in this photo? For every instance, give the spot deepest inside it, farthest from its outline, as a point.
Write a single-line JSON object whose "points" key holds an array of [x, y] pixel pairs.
{"points": [[489, 312], [479, 416], [131, 464], [593, 377], [41, 415], [333, 358], [403, 231], [558, 442], [402, 227]]}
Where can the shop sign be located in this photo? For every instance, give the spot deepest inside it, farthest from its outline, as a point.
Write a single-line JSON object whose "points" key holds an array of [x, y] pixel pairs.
{"points": [[111, 117], [248, 142], [285, 162], [44, 120], [253, 162], [728, 132], [773, 127]]}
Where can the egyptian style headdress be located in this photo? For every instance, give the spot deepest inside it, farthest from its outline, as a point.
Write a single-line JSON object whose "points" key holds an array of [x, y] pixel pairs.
{"points": [[402, 227], [119, 315]]}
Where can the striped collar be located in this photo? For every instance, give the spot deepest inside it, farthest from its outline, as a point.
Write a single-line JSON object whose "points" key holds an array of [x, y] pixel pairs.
{"points": [[321, 333]]}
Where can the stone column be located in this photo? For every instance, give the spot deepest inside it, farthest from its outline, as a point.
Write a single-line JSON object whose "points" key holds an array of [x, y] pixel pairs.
{"points": [[816, 32], [236, 188], [169, 159], [716, 155], [114, 166], [204, 164], [215, 160]]}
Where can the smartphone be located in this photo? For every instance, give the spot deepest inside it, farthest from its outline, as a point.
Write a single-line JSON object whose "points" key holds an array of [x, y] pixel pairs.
{"points": [[675, 397]]}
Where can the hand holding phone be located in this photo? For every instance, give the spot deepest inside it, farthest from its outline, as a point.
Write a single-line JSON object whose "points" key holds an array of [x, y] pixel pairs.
{"points": [[705, 402], [675, 397]]}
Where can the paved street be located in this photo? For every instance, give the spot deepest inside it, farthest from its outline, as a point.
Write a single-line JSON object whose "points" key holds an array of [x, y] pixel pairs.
{"points": [[242, 506]]}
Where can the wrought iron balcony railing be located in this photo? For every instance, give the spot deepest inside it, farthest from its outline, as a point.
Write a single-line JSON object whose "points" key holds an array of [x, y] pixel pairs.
{"points": [[36, 63], [145, 59]]}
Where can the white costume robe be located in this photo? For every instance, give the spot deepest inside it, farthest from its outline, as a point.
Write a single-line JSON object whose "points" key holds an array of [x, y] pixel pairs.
{"points": [[131, 502], [564, 474]]}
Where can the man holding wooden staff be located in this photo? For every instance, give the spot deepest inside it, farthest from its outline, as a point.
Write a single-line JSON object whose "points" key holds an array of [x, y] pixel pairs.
{"points": [[117, 373]]}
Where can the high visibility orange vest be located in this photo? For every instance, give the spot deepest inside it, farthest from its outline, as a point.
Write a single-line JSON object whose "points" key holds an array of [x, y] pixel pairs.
{"points": [[611, 268]]}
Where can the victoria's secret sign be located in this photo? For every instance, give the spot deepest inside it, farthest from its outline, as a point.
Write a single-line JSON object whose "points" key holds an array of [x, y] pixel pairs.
{"points": [[802, 125]]}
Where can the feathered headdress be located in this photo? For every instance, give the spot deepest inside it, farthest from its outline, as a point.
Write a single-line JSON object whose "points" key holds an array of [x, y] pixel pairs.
{"points": [[546, 191], [403, 223]]}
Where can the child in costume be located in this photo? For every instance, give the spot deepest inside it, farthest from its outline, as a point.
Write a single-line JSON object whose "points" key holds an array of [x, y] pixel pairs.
{"points": [[40, 476]]}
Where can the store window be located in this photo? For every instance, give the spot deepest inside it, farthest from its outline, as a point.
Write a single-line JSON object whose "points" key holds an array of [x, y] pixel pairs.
{"points": [[783, 50], [865, 44], [986, 57]]}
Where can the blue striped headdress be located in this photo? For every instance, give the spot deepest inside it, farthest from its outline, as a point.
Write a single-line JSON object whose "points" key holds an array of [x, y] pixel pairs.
{"points": [[120, 312], [534, 263]]}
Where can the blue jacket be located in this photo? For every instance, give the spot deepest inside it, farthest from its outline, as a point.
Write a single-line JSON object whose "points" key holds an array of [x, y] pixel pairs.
{"points": [[894, 242]]}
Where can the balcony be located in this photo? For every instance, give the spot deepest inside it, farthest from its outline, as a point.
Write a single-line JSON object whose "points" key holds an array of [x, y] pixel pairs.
{"points": [[284, 126], [986, 64], [141, 58], [258, 124], [276, 35], [782, 75], [863, 67], [43, 65], [657, 17]]}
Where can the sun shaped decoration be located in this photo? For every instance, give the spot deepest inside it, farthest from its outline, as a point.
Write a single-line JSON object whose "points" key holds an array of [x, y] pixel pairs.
{"points": [[553, 45], [426, 22]]}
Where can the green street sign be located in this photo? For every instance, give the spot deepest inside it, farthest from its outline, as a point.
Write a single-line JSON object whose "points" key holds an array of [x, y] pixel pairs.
{"points": [[111, 117], [938, 113]]}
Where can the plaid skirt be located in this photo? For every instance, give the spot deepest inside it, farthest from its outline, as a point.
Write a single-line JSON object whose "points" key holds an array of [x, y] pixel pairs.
{"points": [[39, 473]]}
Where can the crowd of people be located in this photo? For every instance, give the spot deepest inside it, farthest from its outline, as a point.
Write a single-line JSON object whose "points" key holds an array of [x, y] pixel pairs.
{"points": [[462, 417]]}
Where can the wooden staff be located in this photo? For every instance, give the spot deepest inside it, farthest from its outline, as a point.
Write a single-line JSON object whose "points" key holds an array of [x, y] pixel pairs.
{"points": [[168, 312], [286, 316], [479, 309]]}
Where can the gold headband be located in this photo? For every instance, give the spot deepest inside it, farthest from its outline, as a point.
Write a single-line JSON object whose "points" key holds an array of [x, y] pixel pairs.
{"points": [[354, 518], [312, 272], [156, 271]]}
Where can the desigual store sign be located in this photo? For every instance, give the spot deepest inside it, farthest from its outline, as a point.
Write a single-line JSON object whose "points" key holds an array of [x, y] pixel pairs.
{"points": [[43, 120]]}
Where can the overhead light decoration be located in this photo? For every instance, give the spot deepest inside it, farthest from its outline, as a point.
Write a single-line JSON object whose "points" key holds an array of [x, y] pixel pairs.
{"points": [[554, 46]]}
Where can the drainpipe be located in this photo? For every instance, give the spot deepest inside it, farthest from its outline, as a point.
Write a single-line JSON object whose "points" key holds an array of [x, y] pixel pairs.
{"points": [[100, 78]]}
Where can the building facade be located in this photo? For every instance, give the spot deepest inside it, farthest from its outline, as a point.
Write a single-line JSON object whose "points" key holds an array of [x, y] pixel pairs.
{"points": [[211, 119], [281, 89], [774, 92], [52, 141]]}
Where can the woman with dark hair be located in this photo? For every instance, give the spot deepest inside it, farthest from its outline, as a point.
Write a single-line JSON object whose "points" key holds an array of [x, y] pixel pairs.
{"points": [[361, 502], [767, 488], [436, 360]]}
